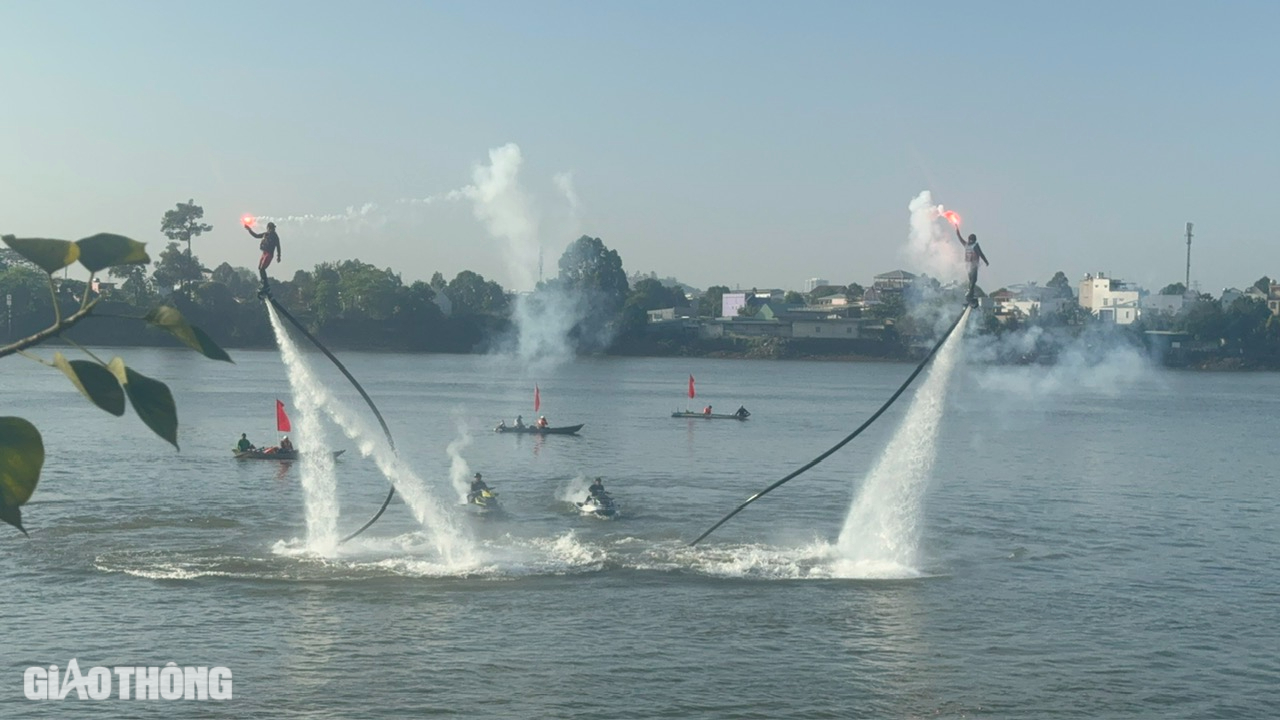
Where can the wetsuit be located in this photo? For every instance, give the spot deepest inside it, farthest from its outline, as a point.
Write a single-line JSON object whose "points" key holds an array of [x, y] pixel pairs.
{"points": [[477, 487], [597, 490], [244, 445], [269, 246]]}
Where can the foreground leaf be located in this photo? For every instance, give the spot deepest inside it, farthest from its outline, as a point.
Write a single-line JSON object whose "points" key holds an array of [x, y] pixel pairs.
{"points": [[94, 381], [105, 250], [21, 457], [170, 320], [153, 403], [50, 255]]}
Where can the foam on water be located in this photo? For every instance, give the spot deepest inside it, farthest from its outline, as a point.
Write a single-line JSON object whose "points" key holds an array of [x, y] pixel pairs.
{"points": [[881, 534]]}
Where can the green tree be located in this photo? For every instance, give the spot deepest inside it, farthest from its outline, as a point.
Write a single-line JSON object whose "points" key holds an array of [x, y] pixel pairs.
{"points": [[175, 268], [1264, 284], [182, 223], [592, 270], [472, 295], [1205, 320], [1060, 285], [1174, 289], [651, 294], [136, 287], [107, 385], [711, 302], [793, 298]]}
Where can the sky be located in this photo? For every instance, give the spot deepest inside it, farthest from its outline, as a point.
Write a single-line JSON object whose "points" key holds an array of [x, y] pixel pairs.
{"points": [[747, 144]]}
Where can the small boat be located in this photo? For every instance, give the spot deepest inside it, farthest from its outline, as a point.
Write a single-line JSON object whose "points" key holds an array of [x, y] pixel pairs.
{"points": [[534, 430], [272, 454], [709, 416], [601, 506]]}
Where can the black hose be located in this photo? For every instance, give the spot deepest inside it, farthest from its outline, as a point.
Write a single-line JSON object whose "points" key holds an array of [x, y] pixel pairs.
{"points": [[849, 437], [386, 430]]}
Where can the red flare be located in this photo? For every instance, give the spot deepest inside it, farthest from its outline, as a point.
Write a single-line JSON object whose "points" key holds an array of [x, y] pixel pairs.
{"points": [[953, 217], [247, 220]]}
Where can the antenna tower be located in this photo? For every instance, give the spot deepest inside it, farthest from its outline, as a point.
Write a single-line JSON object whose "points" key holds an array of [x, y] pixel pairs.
{"points": [[1188, 281]]}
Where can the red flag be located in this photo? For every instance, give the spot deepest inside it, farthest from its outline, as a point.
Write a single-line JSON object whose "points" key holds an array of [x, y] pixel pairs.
{"points": [[537, 399], [282, 420], [691, 392]]}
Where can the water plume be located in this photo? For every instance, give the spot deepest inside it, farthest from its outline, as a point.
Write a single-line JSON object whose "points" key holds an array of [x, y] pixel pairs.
{"points": [[444, 533], [319, 481], [881, 534], [459, 470]]}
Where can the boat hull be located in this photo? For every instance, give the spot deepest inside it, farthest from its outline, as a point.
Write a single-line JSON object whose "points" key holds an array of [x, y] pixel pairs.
{"points": [[529, 430], [705, 416], [278, 455]]}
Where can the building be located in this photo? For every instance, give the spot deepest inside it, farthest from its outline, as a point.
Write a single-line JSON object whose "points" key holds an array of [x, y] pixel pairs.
{"points": [[897, 280], [813, 283], [1110, 300]]}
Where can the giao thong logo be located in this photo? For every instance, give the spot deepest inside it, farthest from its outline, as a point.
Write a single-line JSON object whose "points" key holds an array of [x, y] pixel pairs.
{"points": [[127, 682]]}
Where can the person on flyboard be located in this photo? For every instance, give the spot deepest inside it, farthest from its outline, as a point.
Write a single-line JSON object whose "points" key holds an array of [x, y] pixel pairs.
{"points": [[972, 253], [270, 245]]}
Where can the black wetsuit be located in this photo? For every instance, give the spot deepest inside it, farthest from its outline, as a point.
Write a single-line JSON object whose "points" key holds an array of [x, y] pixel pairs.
{"points": [[270, 247]]}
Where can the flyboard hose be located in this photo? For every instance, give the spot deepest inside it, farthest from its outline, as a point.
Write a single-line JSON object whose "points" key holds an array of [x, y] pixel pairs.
{"points": [[386, 431], [847, 438]]}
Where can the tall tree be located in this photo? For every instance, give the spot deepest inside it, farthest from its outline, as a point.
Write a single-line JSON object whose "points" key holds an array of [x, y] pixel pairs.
{"points": [[1174, 289], [174, 268], [1264, 284], [589, 268], [1060, 284], [182, 223], [712, 301]]}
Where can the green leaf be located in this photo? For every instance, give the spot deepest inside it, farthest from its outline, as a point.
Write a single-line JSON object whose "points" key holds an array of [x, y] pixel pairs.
{"points": [[50, 255], [95, 381], [167, 318], [153, 403], [21, 457], [105, 250]]}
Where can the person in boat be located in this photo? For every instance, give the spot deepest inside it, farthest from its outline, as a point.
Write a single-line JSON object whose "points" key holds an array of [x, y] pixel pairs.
{"points": [[972, 253], [519, 422], [478, 486], [269, 246], [706, 410], [742, 412], [285, 444], [542, 422], [502, 425], [244, 445]]}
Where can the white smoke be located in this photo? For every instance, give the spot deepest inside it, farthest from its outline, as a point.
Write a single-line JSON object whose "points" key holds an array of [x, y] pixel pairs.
{"points": [[459, 470], [931, 247]]}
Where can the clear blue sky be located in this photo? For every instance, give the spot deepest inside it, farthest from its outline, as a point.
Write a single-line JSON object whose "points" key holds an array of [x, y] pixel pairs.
{"points": [[738, 143]]}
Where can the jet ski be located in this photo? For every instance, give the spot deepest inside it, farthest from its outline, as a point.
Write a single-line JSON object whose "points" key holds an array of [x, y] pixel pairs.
{"points": [[599, 506], [483, 501]]}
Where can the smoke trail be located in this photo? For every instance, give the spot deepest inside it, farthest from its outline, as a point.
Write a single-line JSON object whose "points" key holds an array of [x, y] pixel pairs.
{"points": [[319, 482], [449, 539], [930, 245], [881, 534]]}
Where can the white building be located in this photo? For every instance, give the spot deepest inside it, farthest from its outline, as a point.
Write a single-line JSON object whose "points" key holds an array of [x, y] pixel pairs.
{"points": [[812, 283], [1109, 300]]}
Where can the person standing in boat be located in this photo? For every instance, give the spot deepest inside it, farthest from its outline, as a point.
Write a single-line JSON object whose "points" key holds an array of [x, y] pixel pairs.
{"points": [[244, 445], [542, 422], [269, 246], [519, 421]]}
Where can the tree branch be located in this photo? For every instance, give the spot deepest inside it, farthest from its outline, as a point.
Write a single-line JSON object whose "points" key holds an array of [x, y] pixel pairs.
{"points": [[58, 327]]}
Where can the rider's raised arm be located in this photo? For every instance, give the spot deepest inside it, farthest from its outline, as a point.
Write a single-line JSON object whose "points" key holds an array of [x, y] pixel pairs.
{"points": [[958, 235], [251, 232]]}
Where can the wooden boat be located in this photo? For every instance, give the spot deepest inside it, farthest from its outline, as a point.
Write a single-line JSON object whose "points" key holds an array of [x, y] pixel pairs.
{"points": [[276, 455], [708, 416], [533, 430]]}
